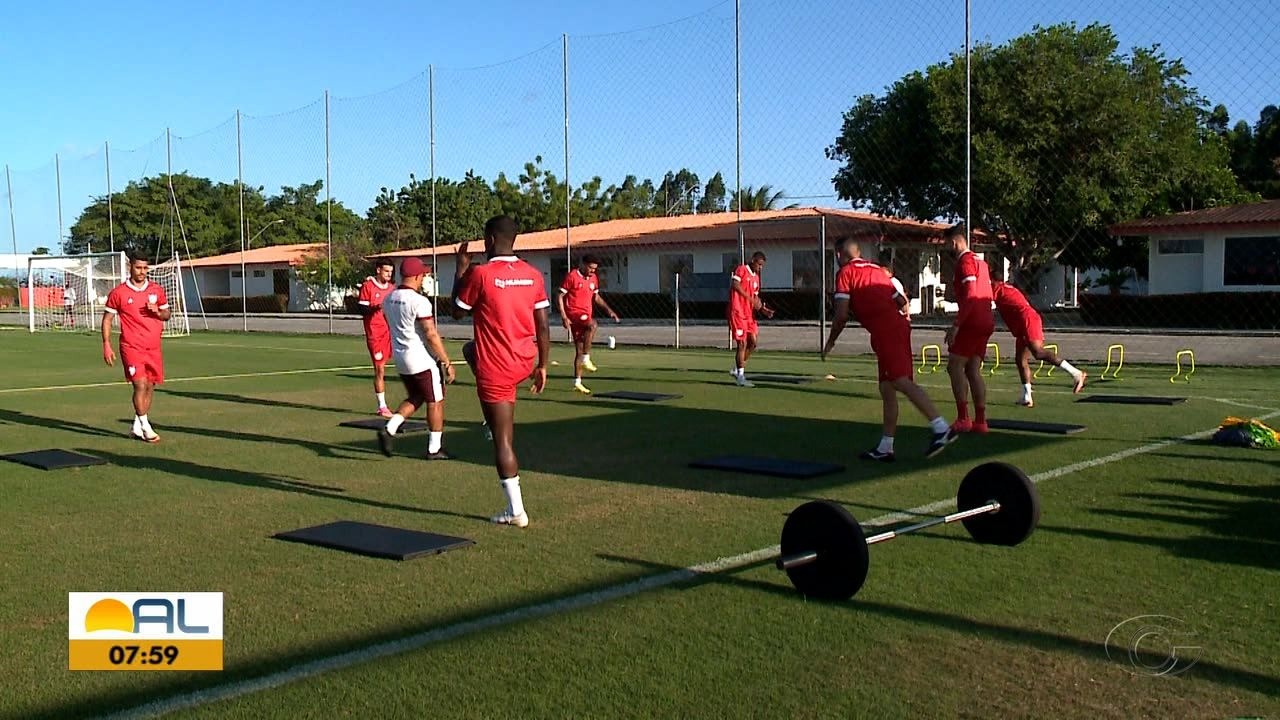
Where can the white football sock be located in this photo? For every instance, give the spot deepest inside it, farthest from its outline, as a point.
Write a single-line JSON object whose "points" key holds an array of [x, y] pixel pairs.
{"points": [[382, 399], [394, 422], [577, 380], [511, 486], [886, 444], [586, 358], [1070, 369], [938, 425], [137, 424], [434, 442], [144, 422], [739, 371], [1026, 391]]}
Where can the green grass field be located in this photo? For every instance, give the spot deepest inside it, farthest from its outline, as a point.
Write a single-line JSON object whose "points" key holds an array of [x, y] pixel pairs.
{"points": [[943, 628]]}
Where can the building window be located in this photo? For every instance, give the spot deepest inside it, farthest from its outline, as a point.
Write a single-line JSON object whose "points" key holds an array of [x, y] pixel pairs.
{"points": [[806, 270], [237, 274], [730, 262], [1179, 247], [669, 265], [1249, 261], [259, 273]]}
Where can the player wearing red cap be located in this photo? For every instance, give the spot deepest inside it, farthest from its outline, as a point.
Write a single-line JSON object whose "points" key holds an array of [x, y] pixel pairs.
{"points": [[508, 302], [143, 310], [1027, 328]]}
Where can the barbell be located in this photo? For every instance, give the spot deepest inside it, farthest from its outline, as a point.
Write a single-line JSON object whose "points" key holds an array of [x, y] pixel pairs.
{"points": [[824, 549]]}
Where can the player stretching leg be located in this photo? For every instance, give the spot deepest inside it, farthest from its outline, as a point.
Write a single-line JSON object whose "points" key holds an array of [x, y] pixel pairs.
{"points": [[744, 300], [579, 294], [377, 336], [143, 310], [409, 317], [508, 301], [1027, 328], [866, 291], [968, 336]]}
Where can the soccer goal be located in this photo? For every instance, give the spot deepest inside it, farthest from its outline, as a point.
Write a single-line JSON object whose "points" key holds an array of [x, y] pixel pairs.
{"points": [[168, 275], [66, 292]]}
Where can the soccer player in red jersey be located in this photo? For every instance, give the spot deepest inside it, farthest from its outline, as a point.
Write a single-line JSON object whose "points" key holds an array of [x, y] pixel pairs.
{"points": [[579, 294], [1025, 325], [143, 310], [508, 303], [866, 291], [968, 336], [377, 334], [744, 301]]}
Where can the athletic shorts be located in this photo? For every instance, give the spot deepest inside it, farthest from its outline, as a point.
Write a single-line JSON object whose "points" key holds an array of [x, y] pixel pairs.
{"points": [[742, 327], [491, 389], [423, 388], [892, 346], [142, 365], [1029, 329], [971, 338], [379, 349], [580, 327]]}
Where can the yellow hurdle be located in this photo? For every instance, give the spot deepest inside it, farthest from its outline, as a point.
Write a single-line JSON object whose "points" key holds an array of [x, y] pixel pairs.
{"points": [[1049, 372], [996, 366], [924, 357], [1111, 348], [1178, 359]]}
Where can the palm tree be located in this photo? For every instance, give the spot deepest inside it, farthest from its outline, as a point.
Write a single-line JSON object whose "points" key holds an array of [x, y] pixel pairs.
{"points": [[760, 198]]}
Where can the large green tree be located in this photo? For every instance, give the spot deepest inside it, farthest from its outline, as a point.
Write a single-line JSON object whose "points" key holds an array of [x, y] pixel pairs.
{"points": [[1255, 149], [1069, 135], [763, 197]]}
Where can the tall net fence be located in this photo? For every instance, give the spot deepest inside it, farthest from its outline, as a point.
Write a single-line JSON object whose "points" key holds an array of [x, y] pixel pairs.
{"points": [[1122, 167]]}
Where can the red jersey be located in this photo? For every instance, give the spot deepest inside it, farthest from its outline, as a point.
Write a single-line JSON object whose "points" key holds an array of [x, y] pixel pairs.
{"points": [[579, 295], [139, 328], [870, 292], [973, 286], [372, 294], [503, 295], [745, 278], [1011, 303]]}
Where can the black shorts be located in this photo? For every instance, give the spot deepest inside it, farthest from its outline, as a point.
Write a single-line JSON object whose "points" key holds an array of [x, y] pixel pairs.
{"points": [[424, 387]]}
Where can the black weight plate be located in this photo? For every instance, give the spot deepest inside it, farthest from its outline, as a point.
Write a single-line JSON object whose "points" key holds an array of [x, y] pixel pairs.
{"points": [[1019, 504], [830, 531]]}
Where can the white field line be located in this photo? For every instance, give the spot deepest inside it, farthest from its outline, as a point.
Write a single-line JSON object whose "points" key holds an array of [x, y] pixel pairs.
{"points": [[423, 639], [197, 378], [238, 346]]}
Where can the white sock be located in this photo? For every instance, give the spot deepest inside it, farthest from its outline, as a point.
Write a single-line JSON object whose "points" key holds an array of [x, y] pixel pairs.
{"points": [[1070, 369], [586, 358], [577, 380], [144, 422], [394, 423], [938, 425], [137, 424], [1026, 390], [511, 486], [434, 442], [382, 399], [739, 371], [886, 444]]}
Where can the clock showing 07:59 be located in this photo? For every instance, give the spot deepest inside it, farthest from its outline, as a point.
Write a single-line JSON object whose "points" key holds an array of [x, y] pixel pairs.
{"points": [[144, 631]]}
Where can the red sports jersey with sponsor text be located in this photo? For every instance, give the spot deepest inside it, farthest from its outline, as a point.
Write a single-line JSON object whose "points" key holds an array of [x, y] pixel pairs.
{"points": [[140, 329], [502, 296], [973, 287], [579, 295], [745, 278], [870, 291], [372, 293]]}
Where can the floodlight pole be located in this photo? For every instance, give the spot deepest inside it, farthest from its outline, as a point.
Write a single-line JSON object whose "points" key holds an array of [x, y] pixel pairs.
{"points": [[737, 80], [328, 214], [968, 127], [111, 223], [431, 131]]}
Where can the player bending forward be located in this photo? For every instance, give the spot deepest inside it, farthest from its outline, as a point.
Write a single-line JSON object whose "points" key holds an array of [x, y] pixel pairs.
{"points": [[143, 310], [579, 294], [508, 302], [410, 319], [968, 336], [865, 290], [377, 336], [1025, 325], [744, 301]]}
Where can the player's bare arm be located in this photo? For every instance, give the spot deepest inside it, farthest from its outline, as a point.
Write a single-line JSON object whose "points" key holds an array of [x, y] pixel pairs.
{"points": [[605, 306], [544, 349], [564, 312], [840, 319], [436, 345], [108, 355]]}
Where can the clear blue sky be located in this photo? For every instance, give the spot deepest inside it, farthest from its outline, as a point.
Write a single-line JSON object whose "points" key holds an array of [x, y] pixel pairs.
{"points": [[76, 74]]}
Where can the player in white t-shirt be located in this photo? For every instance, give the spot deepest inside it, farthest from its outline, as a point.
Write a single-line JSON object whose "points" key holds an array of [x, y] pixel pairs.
{"points": [[69, 305], [413, 330]]}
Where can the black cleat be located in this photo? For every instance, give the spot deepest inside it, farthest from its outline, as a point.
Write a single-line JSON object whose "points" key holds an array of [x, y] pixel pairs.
{"points": [[941, 441], [438, 455], [385, 441], [877, 456]]}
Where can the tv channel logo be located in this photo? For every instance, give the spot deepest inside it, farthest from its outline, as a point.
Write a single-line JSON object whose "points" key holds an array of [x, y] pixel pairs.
{"points": [[144, 631]]}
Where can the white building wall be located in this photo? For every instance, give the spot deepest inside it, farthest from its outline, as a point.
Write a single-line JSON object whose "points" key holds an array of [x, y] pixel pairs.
{"points": [[1181, 272]]}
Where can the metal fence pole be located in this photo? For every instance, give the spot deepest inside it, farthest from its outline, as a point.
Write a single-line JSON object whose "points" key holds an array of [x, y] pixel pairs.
{"points": [[13, 228], [568, 191], [968, 128], [737, 83], [431, 132], [677, 310], [111, 222], [244, 293], [57, 170], [328, 212], [822, 293]]}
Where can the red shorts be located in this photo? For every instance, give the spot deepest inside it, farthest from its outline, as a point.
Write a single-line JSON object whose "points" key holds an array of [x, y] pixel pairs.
{"points": [[142, 365], [1029, 329], [379, 349], [742, 327], [892, 346], [971, 338], [580, 327], [500, 389]]}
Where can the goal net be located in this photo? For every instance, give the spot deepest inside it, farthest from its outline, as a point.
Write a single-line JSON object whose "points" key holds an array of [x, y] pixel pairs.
{"points": [[66, 292]]}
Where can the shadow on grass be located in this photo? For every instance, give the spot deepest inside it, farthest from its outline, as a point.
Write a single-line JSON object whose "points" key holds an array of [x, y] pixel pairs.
{"points": [[283, 483], [18, 418], [249, 400], [322, 449], [1030, 638]]}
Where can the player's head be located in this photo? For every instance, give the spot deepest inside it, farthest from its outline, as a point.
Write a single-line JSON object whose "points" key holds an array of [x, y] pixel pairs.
{"points": [[384, 270], [590, 263], [138, 267], [955, 238], [412, 270], [757, 262], [847, 250], [500, 236]]}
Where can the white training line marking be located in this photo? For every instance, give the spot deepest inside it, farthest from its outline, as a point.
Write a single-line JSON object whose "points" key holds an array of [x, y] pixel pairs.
{"points": [[555, 607], [235, 346], [7, 391]]}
